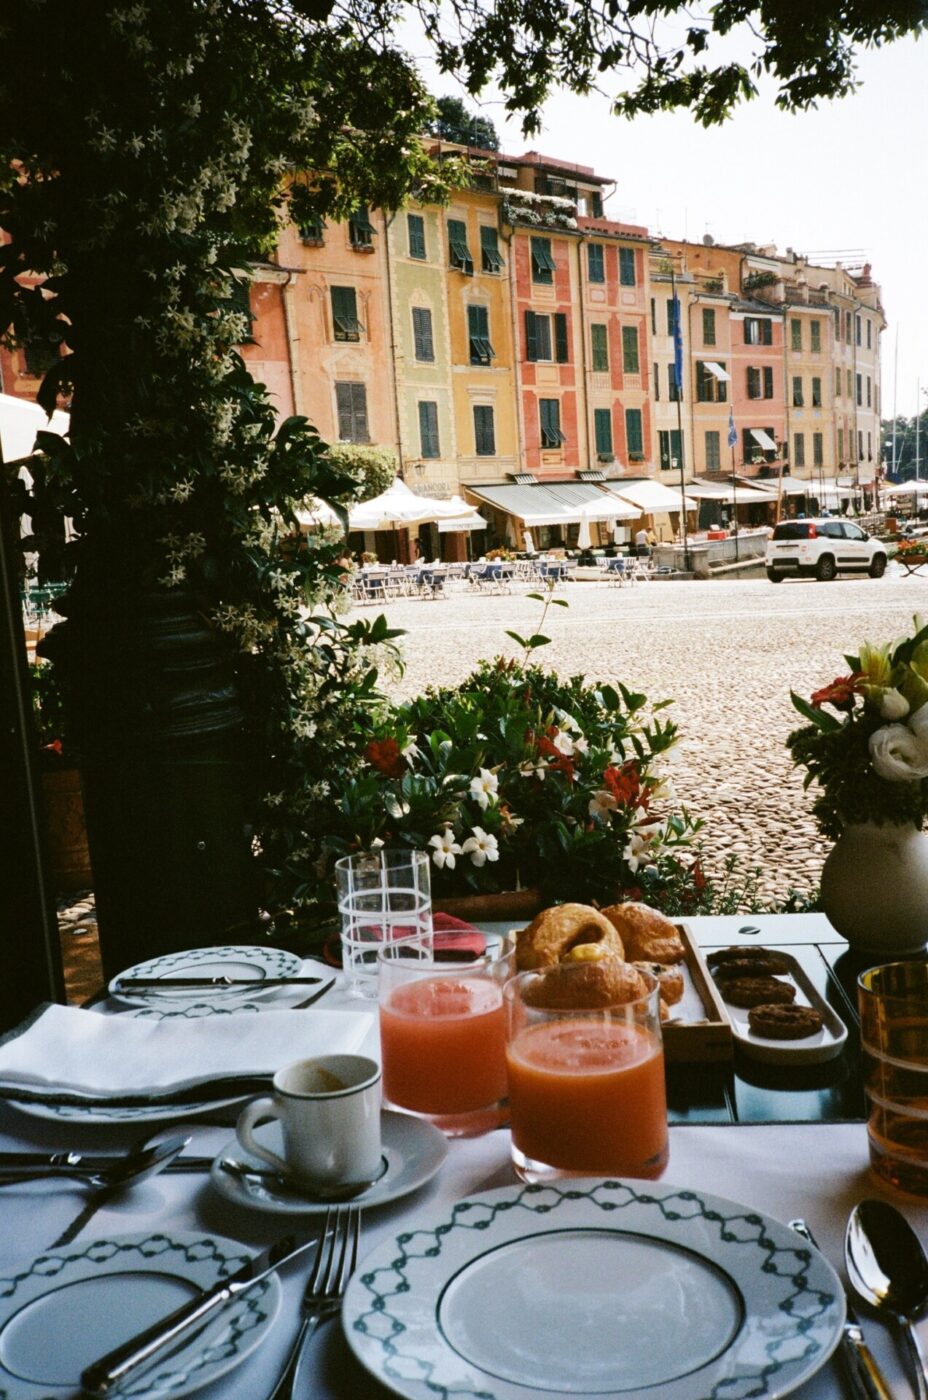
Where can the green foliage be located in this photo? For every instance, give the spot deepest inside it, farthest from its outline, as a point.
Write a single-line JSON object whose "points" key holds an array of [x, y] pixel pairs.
{"points": [[372, 469], [455, 123]]}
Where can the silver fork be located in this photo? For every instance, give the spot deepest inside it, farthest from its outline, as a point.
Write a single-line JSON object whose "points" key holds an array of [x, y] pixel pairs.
{"points": [[335, 1262]]}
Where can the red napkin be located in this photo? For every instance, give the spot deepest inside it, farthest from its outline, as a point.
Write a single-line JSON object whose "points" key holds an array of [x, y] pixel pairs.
{"points": [[455, 933]]}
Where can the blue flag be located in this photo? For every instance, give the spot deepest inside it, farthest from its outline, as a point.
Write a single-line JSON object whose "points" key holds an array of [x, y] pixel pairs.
{"points": [[732, 435], [677, 345]]}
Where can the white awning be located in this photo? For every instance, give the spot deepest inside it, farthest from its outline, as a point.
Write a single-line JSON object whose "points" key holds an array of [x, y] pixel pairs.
{"points": [[650, 496], [763, 439], [554, 503], [727, 494], [20, 421], [718, 370], [906, 488], [471, 521]]}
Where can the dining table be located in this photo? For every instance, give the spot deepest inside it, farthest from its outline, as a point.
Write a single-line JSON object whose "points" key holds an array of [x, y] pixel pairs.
{"points": [[786, 1141]]}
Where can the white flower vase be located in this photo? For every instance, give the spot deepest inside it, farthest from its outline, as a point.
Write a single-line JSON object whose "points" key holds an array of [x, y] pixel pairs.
{"points": [[875, 888]]}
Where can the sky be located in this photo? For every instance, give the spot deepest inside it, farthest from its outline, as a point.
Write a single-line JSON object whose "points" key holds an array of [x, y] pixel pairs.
{"points": [[850, 175]]}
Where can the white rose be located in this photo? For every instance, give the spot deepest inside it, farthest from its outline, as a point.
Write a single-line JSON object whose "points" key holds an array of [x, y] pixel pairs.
{"points": [[894, 705], [918, 723], [899, 755]]}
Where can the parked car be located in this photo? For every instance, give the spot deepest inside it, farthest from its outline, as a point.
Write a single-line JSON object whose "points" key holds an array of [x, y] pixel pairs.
{"points": [[823, 548]]}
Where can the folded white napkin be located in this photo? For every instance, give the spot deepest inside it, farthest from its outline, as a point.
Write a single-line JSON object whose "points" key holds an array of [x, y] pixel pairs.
{"points": [[69, 1051]]}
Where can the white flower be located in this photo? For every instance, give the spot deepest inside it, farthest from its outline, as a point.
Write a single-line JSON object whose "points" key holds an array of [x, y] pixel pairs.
{"points": [[893, 704], [899, 755], [566, 721], [411, 750], [636, 852], [535, 769], [484, 788], [601, 804], [445, 849], [580, 744], [663, 790], [481, 847], [564, 744]]}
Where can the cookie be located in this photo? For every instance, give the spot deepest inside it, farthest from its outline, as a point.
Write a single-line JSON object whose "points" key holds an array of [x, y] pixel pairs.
{"points": [[784, 1022], [775, 962], [670, 979], [747, 967], [755, 991]]}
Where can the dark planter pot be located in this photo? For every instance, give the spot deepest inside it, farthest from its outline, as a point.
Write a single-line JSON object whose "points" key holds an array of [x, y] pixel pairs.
{"points": [[491, 908], [67, 829]]}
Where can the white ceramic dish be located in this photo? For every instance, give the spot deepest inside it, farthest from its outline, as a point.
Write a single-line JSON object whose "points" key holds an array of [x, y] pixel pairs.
{"points": [[63, 1310], [623, 1290], [243, 961], [823, 1045], [414, 1150]]}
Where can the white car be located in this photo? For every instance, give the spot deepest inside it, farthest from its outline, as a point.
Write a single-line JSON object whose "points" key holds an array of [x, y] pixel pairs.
{"points": [[822, 549]]}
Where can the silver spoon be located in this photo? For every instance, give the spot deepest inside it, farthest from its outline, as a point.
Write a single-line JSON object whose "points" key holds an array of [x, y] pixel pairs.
{"points": [[121, 1171], [284, 1186], [888, 1269], [138, 1166]]}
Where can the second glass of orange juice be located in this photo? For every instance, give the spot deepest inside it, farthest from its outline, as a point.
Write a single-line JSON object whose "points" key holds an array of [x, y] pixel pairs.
{"points": [[586, 1087], [443, 1038]]}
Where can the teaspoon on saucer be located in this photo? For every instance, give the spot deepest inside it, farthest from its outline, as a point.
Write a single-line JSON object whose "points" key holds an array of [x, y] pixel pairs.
{"points": [[291, 1187]]}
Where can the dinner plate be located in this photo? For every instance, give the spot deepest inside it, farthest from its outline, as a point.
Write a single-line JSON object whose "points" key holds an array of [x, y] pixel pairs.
{"points": [[244, 961], [413, 1151], [66, 1308], [626, 1290], [103, 1114]]}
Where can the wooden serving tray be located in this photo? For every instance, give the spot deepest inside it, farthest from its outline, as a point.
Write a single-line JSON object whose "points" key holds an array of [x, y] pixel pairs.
{"points": [[700, 1027]]}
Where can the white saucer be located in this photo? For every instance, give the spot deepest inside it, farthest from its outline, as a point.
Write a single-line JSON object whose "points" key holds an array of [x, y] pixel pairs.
{"points": [[413, 1148]]}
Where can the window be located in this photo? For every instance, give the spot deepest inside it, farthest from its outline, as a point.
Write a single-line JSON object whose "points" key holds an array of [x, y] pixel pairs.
{"points": [[795, 333], [360, 229], [816, 392], [869, 447], [798, 399], [713, 451], [760, 381], [653, 317], [345, 314], [671, 318], [484, 431], [840, 444], [634, 437], [561, 344], [799, 449], [39, 355], [313, 230], [757, 331], [549, 411], [860, 390], [657, 382], [537, 337], [428, 429], [490, 258], [543, 264], [673, 388], [708, 326], [851, 531], [596, 205], [860, 445], [754, 382], [869, 335], [458, 251], [837, 384], [627, 267], [815, 331], [630, 350], [415, 232], [751, 448], [709, 388], [847, 326], [478, 330], [602, 430], [599, 339], [869, 392], [850, 384], [422, 333], [668, 446], [596, 263], [351, 404], [240, 301], [818, 449], [857, 329]]}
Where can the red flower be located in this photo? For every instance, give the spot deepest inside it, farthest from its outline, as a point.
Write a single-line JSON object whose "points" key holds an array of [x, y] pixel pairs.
{"points": [[384, 755], [699, 878], [840, 693], [560, 762], [55, 746], [625, 785]]}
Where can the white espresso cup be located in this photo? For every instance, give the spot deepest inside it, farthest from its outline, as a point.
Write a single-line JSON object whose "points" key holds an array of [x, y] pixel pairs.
{"points": [[329, 1113]]}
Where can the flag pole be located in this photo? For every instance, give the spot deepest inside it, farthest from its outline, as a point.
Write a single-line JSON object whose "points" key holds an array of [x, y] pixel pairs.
{"points": [[732, 439], [678, 374]]}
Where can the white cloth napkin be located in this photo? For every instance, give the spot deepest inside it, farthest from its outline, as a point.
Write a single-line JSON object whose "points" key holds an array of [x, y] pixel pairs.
{"points": [[69, 1050]]}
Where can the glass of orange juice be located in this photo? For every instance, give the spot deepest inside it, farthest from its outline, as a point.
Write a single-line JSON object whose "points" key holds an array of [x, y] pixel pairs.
{"points": [[586, 1086], [443, 1038]]}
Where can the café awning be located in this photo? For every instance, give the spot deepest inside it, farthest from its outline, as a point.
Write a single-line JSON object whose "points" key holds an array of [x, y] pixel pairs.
{"points": [[763, 439], [473, 520], [394, 509], [554, 503], [650, 496], [726, 494]]}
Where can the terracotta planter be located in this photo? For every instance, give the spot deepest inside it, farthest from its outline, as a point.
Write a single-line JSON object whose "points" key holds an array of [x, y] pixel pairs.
{"points": [[491, 908], [67, 832]]}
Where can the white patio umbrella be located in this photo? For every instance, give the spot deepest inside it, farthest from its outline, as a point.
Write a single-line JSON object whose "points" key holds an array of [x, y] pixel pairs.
{"points": [[20, 421]]}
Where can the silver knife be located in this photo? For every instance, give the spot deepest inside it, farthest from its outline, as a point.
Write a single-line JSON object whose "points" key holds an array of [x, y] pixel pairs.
{"points": [[863, 1372], [143, 1350], [169, 984], [14, 1162]]}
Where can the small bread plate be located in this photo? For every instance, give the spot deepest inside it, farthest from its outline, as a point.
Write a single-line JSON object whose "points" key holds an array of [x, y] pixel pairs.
{"points": [[243, 962], [618, 1289], [66, 1308], [814, 1049], [413, 1151]]}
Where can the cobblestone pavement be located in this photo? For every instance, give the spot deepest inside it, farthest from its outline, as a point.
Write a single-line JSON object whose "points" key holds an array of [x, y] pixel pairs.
{"points": [[728, 654]]}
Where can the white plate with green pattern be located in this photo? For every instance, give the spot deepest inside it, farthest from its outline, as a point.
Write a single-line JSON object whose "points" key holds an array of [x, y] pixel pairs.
{"points": [[70, 1306], [619, 1289], [246, 962]]}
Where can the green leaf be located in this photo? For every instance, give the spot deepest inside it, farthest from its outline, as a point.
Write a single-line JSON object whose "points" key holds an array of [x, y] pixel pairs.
{"points": [[820, 718], [516, 638], [537, 640]]}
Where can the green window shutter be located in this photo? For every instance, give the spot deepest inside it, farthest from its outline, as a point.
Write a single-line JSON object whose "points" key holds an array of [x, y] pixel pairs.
{"points": [[816, 392], [653, 316], [630, 349], [543, 265], [860, 395], [543, 337], [753, 382], [815, 332], [768, 381], [531, 336], [550, 419], [799, 449], [663, 447], [713, 451], [478, 330], [602, 425], [673, 388], [702, 394], [458, 251], [818, 452], [490, 259], [596, 262], [596, 204], [840, 444], [415, 229], [708, 326], [657, 382], [766, 332], [422, 333], [627, 267], [351, 404], [795, 333], [750, 333], [869, 335], [484, 434], [633, 433], [670, 316], [561, 345], [313, 230], [360, 229], [345, 314], [428, 429], [837, 384], [599, 342], [241, 302]]}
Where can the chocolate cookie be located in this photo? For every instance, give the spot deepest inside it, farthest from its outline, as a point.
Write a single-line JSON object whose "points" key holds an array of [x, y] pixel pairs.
{"points": [[760, 966], [784, 1022], [755, 991], [775, 962]]}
